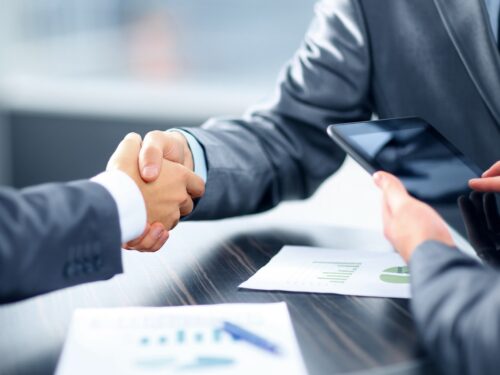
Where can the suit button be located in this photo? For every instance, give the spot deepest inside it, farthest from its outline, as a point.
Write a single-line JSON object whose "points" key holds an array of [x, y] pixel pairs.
{"points": [[97, 262], [78, 267], [87, 266], [69, 270]]}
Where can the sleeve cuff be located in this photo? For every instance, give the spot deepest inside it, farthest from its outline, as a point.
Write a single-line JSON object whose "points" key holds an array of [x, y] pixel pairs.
{"points": [[433, 258], [129, 201], [199, 160]]}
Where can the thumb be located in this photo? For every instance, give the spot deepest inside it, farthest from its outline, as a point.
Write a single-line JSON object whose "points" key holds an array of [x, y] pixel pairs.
{"points": [[156, 146], [195, 186], [127, 150], [393, 190]]}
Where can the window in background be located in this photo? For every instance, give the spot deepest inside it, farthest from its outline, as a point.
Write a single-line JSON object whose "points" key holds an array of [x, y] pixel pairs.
{"points": [[210, 42]]}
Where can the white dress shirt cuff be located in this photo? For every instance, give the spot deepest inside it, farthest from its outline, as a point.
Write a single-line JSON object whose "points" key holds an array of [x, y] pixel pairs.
{"points": [[199, 159], [129, 200]]}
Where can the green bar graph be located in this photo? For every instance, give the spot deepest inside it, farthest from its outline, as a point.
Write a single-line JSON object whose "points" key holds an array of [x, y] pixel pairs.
{"points": [[340, 272]]}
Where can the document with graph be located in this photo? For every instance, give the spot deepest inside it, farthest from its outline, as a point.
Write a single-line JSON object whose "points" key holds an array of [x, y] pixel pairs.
{"points": [[321, 270], [180, 340]]}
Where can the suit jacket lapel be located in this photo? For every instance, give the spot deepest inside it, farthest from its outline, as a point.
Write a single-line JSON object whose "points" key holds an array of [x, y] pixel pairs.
{"points": [[468, 25]]}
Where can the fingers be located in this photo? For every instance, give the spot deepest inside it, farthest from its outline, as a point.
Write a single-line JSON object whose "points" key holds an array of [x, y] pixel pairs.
{"points": [[474, 220], [491, 212], [485, 184], [195, 186], [469, 215], [187, 207], [152, 239], [131, 142], [129, 245], [394, 193], [492, 171], [477, 200], [146, 248], [127, 149], [156, 146]]}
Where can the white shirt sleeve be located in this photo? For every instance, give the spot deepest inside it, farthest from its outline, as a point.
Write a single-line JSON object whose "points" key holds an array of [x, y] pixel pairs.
{"points": [[129, 200]]}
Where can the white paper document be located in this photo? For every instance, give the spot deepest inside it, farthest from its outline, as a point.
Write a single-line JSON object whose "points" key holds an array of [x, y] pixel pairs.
{"points": [[179, 340], [320, 270]]}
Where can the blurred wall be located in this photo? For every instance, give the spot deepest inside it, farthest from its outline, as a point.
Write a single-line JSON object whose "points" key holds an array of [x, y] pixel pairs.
{"points": [[55, 147], [76, 75], [5, 152]]}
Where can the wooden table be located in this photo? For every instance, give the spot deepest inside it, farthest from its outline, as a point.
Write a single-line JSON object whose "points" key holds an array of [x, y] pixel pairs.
{"points": [[204, 263]]}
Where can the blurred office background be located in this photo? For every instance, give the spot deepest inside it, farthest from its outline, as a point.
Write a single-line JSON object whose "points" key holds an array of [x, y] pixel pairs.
{"points": [[76, 75]]}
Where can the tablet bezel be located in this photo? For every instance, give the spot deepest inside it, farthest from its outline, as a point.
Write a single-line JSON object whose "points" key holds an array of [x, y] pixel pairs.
{"points": [[392, 124]]}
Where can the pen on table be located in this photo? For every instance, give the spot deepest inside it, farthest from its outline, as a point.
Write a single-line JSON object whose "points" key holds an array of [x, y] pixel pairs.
{"points": [[241, 333]]}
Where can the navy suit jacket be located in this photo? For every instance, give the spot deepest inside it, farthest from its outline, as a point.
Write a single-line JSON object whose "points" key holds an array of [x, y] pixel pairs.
{"points": [[56, 235]]}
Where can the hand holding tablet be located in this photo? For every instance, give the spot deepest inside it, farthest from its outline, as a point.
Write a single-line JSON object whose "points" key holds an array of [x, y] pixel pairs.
{"points": [[431, 168]]}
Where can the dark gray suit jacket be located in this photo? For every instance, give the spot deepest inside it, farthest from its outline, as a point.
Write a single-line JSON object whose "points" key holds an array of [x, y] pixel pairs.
{"points": [[434, 59], [55, 236], [456, 304]]}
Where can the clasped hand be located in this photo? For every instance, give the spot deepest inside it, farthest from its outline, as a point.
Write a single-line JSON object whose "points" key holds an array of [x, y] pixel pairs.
{"points": [[162, 168]]}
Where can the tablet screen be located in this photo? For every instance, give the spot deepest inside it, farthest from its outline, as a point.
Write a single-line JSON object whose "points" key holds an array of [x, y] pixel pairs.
{"points": [[429, 166]]}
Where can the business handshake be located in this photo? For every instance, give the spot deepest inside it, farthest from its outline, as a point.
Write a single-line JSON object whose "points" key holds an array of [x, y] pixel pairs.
{"points": [[162, 167]]}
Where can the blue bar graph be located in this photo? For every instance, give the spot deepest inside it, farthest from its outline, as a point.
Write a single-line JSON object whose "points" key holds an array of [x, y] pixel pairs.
{"points": [[181, 336], [217, 335], [198, 337], [185, 337]]}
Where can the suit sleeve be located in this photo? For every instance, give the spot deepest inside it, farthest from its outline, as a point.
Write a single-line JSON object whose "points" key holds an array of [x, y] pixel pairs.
{"points": [[280, 150], [456, 304], [55, 236]]}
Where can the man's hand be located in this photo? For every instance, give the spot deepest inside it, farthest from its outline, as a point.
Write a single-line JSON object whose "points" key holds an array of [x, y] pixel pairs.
{"points": [[167, 199], [158, 146], [489, 181], [407, 221], [482, 222], [480, 215]]}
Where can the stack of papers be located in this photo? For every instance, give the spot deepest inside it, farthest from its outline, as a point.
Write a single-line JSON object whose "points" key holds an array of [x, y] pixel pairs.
{"points": [[348, 272], [184, 340]]}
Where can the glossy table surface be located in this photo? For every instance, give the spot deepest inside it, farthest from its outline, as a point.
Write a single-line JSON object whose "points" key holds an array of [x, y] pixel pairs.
{"points": [[203, 263]]}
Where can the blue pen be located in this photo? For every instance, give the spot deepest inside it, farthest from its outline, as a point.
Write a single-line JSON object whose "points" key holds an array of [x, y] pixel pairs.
{"points": [[240, 333]]}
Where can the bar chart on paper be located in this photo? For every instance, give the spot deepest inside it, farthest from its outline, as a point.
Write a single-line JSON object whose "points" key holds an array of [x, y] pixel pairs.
{"points": [[152, 349], [347, 272], [340, 271], [179, 340]]}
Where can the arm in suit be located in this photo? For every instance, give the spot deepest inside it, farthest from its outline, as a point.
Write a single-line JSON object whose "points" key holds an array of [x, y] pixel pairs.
{"points": [[456, 304], [280, 150], [56, 235]]}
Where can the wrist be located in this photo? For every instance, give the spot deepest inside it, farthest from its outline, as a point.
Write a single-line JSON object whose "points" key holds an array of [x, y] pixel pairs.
{"points": [[407, 253], [444, 238], [129, 201], [178, 134], [188, 155]]}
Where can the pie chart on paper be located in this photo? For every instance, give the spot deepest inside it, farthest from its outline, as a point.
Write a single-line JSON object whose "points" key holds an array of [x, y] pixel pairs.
{"points": [[396, 275]]}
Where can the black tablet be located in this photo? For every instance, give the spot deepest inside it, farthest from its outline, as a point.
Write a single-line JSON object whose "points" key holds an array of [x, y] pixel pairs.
{"points": [[430, 167]]}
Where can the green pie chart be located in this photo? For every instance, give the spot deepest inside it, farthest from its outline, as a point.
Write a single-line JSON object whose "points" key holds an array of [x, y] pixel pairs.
{"points": [[396, 275]]}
